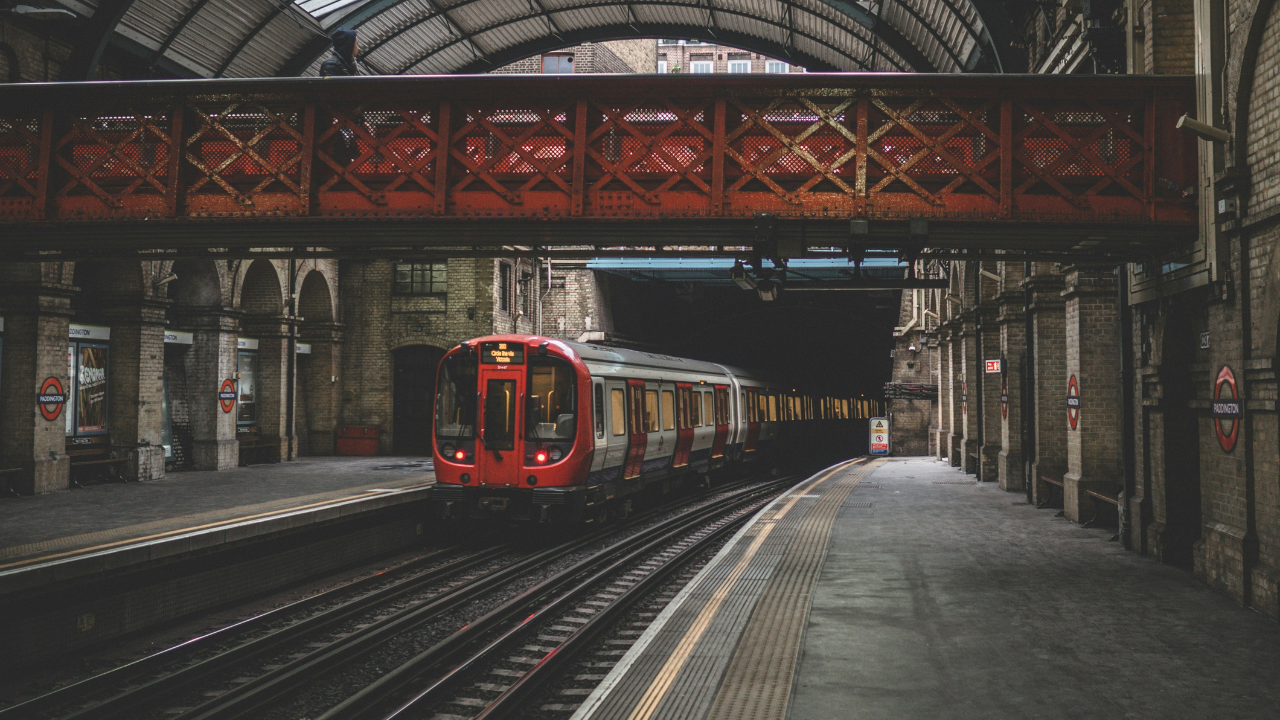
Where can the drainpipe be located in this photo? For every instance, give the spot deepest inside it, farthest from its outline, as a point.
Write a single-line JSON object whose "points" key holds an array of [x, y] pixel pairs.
{"points": [[979, 368], [292, 362], [543, 296], [1029, 386], [1126, 415]]}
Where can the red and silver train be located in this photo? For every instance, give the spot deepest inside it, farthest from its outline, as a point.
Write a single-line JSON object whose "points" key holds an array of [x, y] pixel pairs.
{"points": [[553, 431]]}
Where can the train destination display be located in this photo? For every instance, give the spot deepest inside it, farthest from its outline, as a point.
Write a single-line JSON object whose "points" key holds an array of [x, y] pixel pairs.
{"points": [[501, 353]]}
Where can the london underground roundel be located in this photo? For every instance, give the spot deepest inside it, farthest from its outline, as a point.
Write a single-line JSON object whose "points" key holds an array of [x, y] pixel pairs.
{"points": [[1073, 402], [51, 398], [1227, 408], [227, 395]]}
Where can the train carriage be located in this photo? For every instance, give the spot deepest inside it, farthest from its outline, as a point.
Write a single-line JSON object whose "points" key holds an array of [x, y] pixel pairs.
{"points": [[554, 431]]}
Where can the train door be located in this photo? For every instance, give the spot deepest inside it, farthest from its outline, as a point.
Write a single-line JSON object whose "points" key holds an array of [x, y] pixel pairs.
{"points": [[665, 422], [639, 439], [499, 457], [721, 420], [753, 419], [618, 438], [685, 400]]}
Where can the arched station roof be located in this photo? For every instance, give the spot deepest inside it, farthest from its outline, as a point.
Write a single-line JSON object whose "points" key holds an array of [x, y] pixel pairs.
{"points": [[263, 38]]}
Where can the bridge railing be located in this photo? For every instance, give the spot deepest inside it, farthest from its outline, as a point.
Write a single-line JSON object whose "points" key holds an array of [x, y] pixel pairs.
{"points": [[990, 148]]}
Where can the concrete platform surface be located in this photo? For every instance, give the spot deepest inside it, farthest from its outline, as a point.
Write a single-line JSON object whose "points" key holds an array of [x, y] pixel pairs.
{"points": [[903, 590], [33, 529], [960, 601]]}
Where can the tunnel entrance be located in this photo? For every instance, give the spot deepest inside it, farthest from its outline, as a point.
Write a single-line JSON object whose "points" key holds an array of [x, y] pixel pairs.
{"points": [[414, 392]]}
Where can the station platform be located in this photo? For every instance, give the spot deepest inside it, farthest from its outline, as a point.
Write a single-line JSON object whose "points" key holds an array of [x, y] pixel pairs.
{"points": [[902, 589], [93, 563], [111, 517]]}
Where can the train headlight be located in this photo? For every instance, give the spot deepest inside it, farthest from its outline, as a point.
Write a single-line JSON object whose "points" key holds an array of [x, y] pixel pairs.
{"points": [[460, 455], [555, 453], [446, 450], [540, 456]]}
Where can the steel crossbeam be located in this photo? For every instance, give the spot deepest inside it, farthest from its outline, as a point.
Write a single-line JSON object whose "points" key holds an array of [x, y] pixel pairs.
{"points": [[994, 152]]}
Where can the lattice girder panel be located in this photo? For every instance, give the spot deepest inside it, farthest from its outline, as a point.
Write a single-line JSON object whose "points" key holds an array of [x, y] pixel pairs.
{"points": [[796, 152], [515, 158], [248, 157], [649, 156], [376, 158], [115, 164], [20, 161], [1082, 155], [941, 151]]}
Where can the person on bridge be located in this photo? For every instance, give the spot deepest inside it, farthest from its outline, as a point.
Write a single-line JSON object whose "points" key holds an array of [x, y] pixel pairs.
{"points": [[343, 60]]}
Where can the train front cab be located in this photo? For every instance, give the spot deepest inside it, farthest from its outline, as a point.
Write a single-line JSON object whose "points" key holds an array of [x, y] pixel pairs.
{"points": [[507, 431]]}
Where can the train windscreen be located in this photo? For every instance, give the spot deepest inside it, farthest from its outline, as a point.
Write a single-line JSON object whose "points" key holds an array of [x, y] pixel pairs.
{"points": [[456, 399], [551, 411]]}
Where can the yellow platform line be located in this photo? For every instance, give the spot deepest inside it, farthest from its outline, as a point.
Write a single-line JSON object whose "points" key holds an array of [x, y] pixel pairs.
{"points": [[197, 528], [661, 684]]}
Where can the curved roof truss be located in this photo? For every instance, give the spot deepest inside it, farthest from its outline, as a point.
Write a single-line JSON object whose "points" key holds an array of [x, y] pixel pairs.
{"points": [[262, 38], [448, 36]]}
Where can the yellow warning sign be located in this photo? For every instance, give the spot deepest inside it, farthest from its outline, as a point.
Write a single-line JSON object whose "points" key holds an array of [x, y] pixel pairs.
{"points": [[879, 436]]}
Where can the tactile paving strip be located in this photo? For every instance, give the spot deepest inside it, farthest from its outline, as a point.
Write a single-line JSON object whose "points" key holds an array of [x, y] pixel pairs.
{"points": [[758, 683]]}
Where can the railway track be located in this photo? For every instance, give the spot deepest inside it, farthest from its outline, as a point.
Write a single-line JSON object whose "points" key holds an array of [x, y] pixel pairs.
{"points": [[287, 648], [498, 679]]}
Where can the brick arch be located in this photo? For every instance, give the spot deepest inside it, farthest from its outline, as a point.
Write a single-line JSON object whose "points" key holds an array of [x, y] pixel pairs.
{"points": [[199, 284], [315, 300], [260, 289], [104, 284], [1241, 76]]}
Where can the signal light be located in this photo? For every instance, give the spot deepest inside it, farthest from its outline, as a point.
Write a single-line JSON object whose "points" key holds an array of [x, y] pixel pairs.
{"points": [[460, 455], [540, 456]]}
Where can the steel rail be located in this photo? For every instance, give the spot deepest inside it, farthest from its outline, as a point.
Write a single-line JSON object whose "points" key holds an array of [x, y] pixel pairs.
{"points": [[246, 699], [513, 697], [604, 563]]}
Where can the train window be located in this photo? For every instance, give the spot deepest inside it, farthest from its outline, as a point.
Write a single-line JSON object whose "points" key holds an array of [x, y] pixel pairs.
{"points": [[651, 411], [744, 409], [500, 415], [599, 408], [694, 405], [618, 411], [668, 410], [708, 408], [551, 410], [773, 408]]}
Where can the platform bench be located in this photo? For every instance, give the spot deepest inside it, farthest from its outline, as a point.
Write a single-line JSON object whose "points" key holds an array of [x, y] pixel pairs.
{"points": [[1109, 495], [1051, 481], [93, 458]]}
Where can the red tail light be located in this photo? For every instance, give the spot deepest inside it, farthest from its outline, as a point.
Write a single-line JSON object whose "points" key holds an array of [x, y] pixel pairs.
{"points": [[460, 455], [540, 456]]}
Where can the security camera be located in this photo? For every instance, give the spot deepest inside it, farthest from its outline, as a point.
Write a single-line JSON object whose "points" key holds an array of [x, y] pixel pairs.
{"points": [[1204, 131]]}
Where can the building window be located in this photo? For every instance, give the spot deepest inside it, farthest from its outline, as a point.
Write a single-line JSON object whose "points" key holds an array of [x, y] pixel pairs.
{"points": [[420, 278], [662, 67], [701, 66], [775, 66], [739, 66], [526, 292], [557, 64], [504, 287]]}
